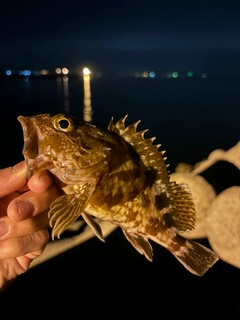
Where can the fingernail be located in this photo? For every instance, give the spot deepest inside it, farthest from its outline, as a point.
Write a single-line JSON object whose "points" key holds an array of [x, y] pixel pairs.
{"points": [[19, 166], [25, 209], [4, 228]]}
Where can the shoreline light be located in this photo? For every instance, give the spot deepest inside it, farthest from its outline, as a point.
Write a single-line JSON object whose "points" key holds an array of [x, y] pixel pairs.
{"points": [[65, 71], [175, 74], [44, 72], [86, 71], [58, 70]]}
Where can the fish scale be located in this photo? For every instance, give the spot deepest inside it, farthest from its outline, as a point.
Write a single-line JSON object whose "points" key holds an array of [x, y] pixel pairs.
{"points": [[116, 175]]}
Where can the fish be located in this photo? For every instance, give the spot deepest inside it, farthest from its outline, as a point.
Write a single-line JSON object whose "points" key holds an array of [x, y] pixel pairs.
{"points": [[116, 175]]}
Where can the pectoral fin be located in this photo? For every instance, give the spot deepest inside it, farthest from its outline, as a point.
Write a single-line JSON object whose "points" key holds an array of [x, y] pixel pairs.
{"points": [[93, 225], [182, 214], [140, 243], [67, 208]]}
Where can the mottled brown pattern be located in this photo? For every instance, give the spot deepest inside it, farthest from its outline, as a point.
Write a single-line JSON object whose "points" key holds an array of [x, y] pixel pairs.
{"points": [[116, 175]]}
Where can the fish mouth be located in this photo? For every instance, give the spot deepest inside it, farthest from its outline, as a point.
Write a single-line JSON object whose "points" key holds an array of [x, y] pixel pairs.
{"points": [[33, 158]]}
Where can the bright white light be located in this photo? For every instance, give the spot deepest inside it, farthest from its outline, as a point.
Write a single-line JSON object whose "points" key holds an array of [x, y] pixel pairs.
{"points": [[86, 71], [65, 71], [58, 70]]}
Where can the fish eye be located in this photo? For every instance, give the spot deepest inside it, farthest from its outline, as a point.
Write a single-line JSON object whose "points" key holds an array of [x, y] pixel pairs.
{"points": [[63, 123]]}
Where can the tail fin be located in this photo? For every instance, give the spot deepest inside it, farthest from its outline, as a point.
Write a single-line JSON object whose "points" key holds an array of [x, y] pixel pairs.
{"points": [[196, 258]]}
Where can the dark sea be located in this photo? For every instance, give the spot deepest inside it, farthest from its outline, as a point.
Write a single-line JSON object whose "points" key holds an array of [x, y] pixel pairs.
{"points": [[190, 118]]}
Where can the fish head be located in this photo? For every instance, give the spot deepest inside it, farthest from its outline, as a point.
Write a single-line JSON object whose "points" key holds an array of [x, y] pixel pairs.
{"points": [[72, 150]]}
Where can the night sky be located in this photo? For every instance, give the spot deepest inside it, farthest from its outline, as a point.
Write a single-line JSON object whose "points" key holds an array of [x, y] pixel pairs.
{"points": [[121, 35]]}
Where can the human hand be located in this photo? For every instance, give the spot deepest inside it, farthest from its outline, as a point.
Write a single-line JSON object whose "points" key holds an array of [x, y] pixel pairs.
{"points": [[23, 219]]}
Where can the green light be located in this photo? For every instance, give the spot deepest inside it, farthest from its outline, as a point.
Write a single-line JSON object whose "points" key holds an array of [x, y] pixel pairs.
{"points": [[175, 74], [190, 73]]}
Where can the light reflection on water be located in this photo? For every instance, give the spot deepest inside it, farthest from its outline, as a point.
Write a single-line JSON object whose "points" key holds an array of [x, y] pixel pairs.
{"points": [[63, 90], [66, 94], [87, 108], [63, 96]]}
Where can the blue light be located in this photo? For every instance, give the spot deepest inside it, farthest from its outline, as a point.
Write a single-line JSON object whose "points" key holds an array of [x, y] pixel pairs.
{"points": [[8, 72], [20, 72], [26, 72], [152, 74]]}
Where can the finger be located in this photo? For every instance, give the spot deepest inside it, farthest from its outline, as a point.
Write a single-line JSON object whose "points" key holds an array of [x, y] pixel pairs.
{"points": [[11, 268], [4, 202], [40, 182], [19, 246], [12, 178], [31, 204], [11, 229]]}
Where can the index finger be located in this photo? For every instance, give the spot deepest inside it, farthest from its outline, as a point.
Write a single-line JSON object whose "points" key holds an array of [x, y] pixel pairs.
{"points": [[12, 178]]}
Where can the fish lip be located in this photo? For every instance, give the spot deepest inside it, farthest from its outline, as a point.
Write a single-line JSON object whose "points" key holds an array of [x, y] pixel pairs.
{"points": [[30, 146]]}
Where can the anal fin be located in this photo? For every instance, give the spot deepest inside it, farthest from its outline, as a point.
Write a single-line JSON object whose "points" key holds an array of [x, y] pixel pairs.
{"points": [[140, 243], [182, 214]]}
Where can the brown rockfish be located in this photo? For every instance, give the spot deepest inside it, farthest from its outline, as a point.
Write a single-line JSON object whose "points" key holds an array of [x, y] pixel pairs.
{"points": [[116, 175]]}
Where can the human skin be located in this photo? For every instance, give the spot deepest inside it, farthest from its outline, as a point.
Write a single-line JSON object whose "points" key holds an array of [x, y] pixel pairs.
{"points": [[23, 219]]}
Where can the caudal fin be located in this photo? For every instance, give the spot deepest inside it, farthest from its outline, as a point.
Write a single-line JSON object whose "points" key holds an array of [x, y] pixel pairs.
{"points": [[196, 258]]}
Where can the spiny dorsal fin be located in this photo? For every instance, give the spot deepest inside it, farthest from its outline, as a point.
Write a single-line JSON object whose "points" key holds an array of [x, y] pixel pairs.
{"points": [[182, 209], [148, 152]]}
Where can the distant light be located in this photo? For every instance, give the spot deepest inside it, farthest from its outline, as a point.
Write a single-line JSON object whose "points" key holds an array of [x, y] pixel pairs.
{"points": [[8, 72], [58, 70], [65, 71], [26, 73], [44, 72], [36, 73], [190, 73], [145, 74], [137, 74], [86, 71], [169, 74], [152, 74], [175, 74], [204, 75]]}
